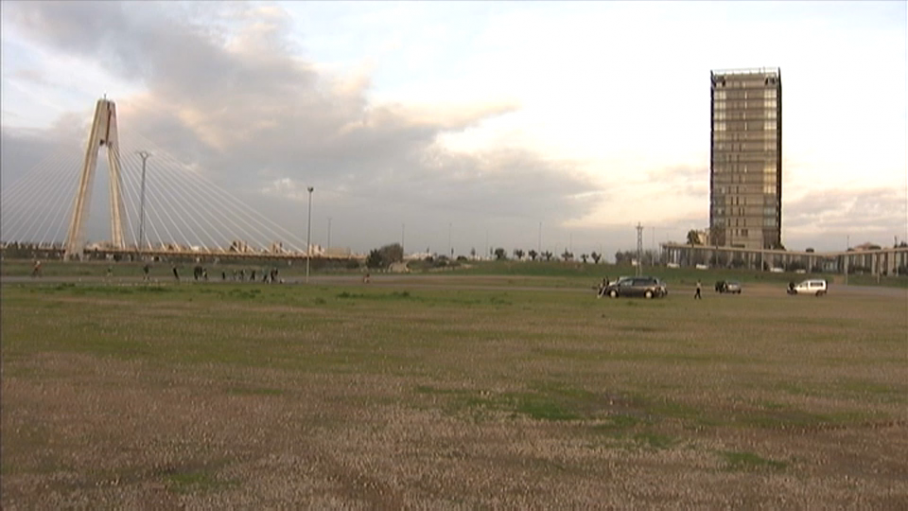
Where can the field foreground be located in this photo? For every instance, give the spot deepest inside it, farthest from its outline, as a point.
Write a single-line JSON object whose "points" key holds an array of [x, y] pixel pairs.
{"points": [[396, 396]]}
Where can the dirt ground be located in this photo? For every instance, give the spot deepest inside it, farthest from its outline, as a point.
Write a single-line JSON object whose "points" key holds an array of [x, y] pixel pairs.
{"points": [[100, 432], [121, 435]]}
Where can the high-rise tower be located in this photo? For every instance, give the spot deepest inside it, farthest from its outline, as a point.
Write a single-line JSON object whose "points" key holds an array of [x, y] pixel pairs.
{"points": [[746, 158]]}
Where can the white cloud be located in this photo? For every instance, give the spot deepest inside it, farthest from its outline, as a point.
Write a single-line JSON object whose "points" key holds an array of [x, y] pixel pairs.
{"points": [[603, 107]]}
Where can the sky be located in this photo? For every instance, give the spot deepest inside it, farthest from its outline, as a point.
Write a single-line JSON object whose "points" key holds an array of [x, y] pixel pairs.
{"points": [[472, 125]]}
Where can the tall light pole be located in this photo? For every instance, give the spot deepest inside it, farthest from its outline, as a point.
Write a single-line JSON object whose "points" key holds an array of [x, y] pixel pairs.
{"points": [[539, 241], [402, 231], [308, 234], [328, 245], [847, 246], [144, 155]]}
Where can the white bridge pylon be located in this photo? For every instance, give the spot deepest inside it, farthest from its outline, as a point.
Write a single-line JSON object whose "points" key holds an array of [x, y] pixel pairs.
{"points": [[103, 133]]}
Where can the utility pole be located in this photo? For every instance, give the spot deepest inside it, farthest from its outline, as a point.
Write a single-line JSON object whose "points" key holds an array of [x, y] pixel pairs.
{"points": [[308, 234], [328, 245], [402, 232], [144, 155], [847, 246], [539, 242], [639, 249]]}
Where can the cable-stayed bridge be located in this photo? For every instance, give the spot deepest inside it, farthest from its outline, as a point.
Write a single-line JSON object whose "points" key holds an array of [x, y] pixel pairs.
{"points": [[156, 205]]}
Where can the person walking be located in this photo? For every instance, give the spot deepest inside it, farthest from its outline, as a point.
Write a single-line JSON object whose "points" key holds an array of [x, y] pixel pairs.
{"points": [[697, 293], [176, 274], [145, 272]]}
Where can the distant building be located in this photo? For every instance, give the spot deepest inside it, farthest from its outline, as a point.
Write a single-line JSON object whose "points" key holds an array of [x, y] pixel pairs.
{"points": [[746, 159]]}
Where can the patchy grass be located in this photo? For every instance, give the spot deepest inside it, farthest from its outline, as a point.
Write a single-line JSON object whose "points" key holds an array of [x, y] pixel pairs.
{"points": [[193, 480], [246, 391], [430, 395], [748, 461]]}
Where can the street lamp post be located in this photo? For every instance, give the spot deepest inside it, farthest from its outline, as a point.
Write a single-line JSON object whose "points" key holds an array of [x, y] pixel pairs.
{"points": [[308, 234], [144, 155], [847, 246], [539, 241], [328, 245]]}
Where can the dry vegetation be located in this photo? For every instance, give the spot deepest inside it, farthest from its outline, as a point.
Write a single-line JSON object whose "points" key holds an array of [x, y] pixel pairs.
{"points": [[432, 396]]}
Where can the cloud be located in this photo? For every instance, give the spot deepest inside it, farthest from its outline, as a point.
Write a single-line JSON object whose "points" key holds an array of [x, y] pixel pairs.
{"points": [[583, 136], [872, 211], [234, 99]]}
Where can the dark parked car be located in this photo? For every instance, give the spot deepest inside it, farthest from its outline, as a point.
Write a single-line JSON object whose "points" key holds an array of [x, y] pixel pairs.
{"points": [[647, 287], [728, 286]]}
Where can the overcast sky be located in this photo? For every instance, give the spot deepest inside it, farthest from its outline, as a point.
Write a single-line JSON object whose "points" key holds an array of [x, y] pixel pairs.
{"points": [[474, 125]]}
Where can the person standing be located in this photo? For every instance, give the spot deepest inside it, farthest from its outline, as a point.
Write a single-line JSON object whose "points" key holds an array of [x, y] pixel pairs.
{"points": [[145, 272], [176, 274], [602, 288], [697, 293]]}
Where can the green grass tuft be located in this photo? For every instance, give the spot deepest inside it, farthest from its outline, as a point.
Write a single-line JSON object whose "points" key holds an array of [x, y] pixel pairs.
{"points": [[748, 461]]}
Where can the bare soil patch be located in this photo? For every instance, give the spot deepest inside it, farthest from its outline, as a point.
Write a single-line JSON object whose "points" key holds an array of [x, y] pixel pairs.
{"points": [[404, 396]]}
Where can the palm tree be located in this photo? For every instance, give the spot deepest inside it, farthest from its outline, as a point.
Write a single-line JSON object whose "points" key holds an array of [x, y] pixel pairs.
{"points": [[693, 237]]}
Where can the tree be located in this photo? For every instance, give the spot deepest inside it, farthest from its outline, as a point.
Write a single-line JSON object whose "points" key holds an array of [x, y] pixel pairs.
{"points": [[809, 250], [385, 256], [596, 257], [518, 253], [374, 259], [693, 237], [567, 256], [584, 257], [473, 253], [500, 254], [625, 257], [533, 254], [548, 255], [393, 253]]}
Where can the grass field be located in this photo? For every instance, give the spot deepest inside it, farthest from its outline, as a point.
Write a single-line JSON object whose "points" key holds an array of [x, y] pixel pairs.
{"points": [[555, 273], [463, 392]]}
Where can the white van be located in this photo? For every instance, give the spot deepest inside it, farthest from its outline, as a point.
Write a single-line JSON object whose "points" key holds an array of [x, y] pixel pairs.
{"points": [[808, 287]]}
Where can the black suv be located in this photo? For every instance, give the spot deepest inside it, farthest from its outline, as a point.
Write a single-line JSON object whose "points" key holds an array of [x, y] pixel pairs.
{"points": [[647, 287]]}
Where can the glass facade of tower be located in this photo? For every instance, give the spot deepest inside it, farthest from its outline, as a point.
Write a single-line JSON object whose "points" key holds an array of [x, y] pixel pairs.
{"points": [[746, 159]]}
